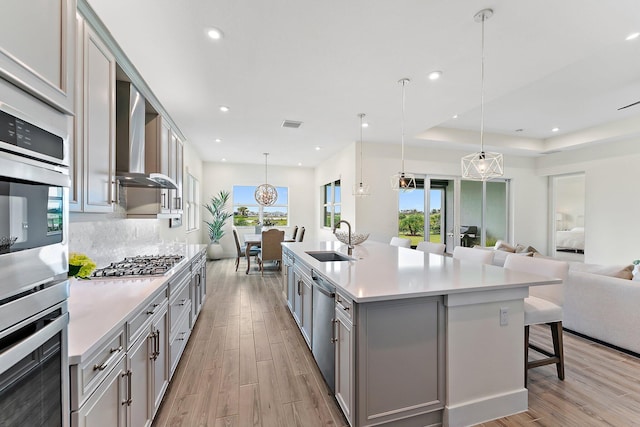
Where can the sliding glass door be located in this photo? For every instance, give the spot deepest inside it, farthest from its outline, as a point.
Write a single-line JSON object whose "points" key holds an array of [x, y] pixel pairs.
{"points": [[460, 212]]}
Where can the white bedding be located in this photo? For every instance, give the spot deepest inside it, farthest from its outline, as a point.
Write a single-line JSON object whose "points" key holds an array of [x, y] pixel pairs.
{"points": [[572, 239]]}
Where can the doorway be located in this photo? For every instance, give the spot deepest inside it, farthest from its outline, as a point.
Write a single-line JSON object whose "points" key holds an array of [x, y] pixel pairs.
{"points": [[568, 231]]}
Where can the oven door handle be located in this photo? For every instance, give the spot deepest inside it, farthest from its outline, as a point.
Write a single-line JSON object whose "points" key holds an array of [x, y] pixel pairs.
{"points": [[16, 353]]}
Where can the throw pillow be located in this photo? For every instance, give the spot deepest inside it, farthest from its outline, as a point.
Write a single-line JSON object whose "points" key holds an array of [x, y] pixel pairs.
{"points": [[619, 271], [501, 245]]}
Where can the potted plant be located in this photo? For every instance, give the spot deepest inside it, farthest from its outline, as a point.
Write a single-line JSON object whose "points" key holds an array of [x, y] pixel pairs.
{"points": [[217, 209]]}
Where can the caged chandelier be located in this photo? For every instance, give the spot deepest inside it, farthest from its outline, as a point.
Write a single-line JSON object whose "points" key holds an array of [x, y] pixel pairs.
{"points": [[482, 165], [266, 194], [402, 181]]}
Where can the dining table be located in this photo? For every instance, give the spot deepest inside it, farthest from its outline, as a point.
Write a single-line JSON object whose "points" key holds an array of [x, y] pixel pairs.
{"points": [[251, 240]]}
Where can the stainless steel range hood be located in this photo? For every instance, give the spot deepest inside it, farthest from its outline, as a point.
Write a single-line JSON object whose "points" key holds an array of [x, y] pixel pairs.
{"points": [[130, 141]]}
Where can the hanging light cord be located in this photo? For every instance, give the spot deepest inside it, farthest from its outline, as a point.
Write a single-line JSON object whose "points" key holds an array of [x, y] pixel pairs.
{"points": [[361, 117], [482, 89], [265, 168], [404, 81]]}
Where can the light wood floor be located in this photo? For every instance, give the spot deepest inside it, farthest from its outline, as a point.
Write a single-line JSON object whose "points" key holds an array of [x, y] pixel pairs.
{"points": [[246, 364]]}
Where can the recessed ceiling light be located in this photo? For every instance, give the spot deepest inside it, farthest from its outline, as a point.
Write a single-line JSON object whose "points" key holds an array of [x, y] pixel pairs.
{"points": [[632, 36], [555, 129], [218, 140], [224, 160], [215, 33], [299, 164], [365, 125], [224, 108], [317, 148], [455, 116], [435, 75]]}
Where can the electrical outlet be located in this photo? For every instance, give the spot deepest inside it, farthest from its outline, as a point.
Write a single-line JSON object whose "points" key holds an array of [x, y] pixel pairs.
{"points": [[504, 316]]}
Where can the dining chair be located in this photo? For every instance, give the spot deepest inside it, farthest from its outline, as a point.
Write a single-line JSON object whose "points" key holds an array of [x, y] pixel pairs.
{"points": [[241, 249], [400, 242], [432, 248], [479, 256], [295, 231], [301, 235], [543, 305], [271, 249]]}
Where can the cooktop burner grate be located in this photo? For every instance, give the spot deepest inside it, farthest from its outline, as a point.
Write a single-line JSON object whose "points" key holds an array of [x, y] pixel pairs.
{"points": [[143, 265]]}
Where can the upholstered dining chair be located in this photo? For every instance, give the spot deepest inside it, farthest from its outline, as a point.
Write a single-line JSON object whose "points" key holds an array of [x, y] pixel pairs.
{"points": [[400, 242], [271, 249], [301, 235], [432, 248], [241, 249], [543, 305], [479, 256], [295, 232]]}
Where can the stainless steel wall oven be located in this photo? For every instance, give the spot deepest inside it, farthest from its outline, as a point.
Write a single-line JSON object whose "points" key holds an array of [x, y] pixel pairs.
{"points": [[34, 188]]}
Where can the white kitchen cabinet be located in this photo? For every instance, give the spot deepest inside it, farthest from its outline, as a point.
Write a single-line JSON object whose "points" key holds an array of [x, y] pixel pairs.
{"points": [[93, 155], [106, 407], [147, 362], [289, 280], [303, 303], [38, 48], [198, 285], [176, 165], [344, 357]]}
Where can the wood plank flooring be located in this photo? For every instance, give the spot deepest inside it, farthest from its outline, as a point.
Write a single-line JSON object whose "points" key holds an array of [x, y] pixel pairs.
{"points": [[246, 364]]}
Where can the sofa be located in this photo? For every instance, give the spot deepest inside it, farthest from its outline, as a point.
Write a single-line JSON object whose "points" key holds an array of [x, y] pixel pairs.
{"points": [[600, 302]]}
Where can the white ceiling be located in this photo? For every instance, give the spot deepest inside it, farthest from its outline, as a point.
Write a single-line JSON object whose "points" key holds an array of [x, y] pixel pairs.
{"points": [[548, 63]]}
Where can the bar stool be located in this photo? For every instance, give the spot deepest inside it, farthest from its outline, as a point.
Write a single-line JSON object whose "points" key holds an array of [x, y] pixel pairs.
{"points": [[479, 256]]}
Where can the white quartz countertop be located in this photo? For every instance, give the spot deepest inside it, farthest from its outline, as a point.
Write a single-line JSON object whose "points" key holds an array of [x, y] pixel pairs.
{"points": [[380, 272], [98, 307]]}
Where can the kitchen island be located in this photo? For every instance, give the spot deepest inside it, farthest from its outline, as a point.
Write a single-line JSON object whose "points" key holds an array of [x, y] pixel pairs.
{"points": [[419, 338]]}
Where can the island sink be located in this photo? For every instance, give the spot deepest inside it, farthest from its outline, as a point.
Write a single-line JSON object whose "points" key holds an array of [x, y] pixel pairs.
{"points": [[328, 256]]}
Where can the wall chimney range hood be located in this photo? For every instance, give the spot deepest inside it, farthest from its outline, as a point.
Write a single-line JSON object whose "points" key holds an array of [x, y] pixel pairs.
{"points": [[130, 141]]}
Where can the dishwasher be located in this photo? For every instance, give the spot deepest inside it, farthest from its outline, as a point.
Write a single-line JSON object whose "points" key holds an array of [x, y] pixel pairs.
{"points": [[322, 344]]}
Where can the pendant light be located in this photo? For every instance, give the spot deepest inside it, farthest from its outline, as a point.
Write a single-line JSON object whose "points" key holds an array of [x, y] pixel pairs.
{"points": [[402, 181], [482, 165], [361, 189], [266, 194]]}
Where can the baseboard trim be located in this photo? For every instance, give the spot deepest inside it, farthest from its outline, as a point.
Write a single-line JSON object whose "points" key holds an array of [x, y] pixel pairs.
{"points": [[479, 411], [604, 343]]}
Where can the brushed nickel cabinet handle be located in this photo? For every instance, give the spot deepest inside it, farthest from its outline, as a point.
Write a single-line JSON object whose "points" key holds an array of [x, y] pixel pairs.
{"points": [[114, 353]]}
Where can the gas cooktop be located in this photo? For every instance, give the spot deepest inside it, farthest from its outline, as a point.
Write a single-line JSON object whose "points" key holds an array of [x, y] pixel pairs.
{"points": [[144, 265]]}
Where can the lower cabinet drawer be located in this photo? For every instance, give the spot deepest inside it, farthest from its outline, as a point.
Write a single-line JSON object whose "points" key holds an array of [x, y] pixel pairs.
{"points": [[135, 325], [86, 377], [178, 342], [178, 305]]}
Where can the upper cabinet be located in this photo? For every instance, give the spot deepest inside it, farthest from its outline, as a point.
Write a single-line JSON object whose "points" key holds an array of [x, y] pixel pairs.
{"points": [[176, 155], [37, 51], [93, 160]]}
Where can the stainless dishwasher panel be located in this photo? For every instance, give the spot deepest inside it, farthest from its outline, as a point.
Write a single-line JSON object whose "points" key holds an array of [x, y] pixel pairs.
{"points": [[322, 345]]}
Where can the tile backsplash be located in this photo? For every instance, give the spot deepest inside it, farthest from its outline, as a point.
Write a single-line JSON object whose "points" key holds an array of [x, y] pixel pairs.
{"points": [[108, 240]]}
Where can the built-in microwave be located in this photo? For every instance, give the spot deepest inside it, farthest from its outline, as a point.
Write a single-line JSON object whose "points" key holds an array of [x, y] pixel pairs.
{"points": [[34, 189]]}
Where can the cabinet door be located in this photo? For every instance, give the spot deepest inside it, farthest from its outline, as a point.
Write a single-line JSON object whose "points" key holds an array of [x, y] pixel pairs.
{"points": [[291, 288], [165, 135], [38, 48], [107, 405], [203, 279], [139, 363], [179, 173], [99, 124], [160, 359], [307, 310], [171, 159], [297, 299], [75, 146], [345, 358]]}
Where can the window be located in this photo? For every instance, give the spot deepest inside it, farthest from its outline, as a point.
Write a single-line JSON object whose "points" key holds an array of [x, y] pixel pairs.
{"points": [[331, 205], [192, 202], [248, 213]]}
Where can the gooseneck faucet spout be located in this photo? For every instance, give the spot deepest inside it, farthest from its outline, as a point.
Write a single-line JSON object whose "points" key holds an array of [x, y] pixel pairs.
{"points": [[349, 246]]}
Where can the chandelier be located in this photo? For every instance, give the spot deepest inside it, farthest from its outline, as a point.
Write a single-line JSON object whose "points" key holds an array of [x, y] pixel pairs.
{"points": [[482, 165], [266, 194], [402, 181], [361, 189]]}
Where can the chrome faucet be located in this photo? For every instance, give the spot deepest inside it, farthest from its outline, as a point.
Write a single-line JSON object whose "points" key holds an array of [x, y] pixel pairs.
{"points": [[349, 246]]}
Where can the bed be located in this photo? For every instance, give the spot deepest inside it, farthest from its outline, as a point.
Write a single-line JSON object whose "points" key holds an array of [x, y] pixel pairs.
{"points": [[570, 240]]}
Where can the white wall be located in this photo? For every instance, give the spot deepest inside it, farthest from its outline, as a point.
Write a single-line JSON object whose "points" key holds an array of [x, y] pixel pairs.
{"points": [[612, 206], [378, 213], [299, 180]]}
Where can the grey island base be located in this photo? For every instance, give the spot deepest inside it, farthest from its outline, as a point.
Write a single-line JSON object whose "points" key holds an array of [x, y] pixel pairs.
{"points": [[417, 338]]}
